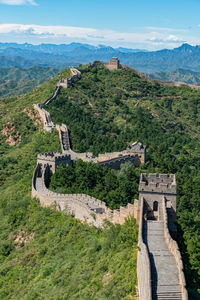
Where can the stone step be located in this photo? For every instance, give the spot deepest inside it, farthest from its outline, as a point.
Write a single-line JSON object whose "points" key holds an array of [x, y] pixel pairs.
{"points": [[161, 252], [163, 265], [166, 289], [168, 296]]}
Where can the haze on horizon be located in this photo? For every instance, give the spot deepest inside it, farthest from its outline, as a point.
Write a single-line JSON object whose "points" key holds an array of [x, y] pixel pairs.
{"points": [[150, 25]]}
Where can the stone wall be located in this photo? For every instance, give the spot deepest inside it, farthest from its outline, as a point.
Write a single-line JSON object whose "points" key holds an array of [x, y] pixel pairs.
{"points": [[82, 206], [139, 149], [152, 188], [45, 117], [55, 94], [64, 83], [64, 137], [143, 262], [115, 163], [173, 248], [67, 82]]}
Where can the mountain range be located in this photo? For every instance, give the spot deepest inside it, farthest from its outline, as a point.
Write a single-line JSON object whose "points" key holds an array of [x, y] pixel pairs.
{"points": [[60, 56], [179, 75]]}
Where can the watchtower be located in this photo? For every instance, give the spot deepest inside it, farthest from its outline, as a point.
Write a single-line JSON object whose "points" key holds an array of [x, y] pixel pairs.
{"points": [[153, 188], [137, 149], [113, 64], [53, 160]]}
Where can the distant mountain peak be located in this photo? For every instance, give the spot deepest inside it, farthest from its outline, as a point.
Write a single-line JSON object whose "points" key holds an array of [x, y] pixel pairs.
{"points": [[186, 46]]}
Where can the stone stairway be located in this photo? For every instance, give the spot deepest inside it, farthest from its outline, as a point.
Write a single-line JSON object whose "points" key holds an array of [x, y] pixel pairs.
{"points": [[65, 140], [164, 273]]}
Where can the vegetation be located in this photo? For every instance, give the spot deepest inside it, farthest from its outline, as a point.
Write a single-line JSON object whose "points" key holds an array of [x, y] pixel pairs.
{"points": [[45, 254], [60, 258], [179, 75], [116, 188], [105, 111], [16, 81]]}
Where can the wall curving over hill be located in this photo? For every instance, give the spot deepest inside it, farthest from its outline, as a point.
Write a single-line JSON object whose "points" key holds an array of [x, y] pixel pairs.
{"points": [[159, 265]]}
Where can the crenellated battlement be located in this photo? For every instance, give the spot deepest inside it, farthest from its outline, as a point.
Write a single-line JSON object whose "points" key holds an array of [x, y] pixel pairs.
{"points": [[53, 160], [158, 183]]}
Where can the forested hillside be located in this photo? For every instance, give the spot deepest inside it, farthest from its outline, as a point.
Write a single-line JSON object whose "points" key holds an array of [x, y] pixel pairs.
{"points": [[179, 75], [105, 111], [15, 81], [46, 254], [59, 258]]}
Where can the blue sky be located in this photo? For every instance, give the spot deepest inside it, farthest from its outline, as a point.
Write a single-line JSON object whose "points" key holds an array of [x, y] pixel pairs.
{"points": [[143, 24]]}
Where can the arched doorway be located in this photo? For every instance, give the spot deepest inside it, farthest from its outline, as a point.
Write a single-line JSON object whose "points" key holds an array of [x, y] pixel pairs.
{"points": [[155, 206]]}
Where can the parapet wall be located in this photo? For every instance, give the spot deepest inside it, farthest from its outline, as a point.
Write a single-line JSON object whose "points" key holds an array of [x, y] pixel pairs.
{"points": [[143, 262], [55, 94], [82, 206], [173, 248], [115, 163], [45, 117], [64, 138]]}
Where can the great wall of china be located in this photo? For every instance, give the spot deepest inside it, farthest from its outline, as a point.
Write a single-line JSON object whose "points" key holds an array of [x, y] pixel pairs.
{"points": [[159, 264]]}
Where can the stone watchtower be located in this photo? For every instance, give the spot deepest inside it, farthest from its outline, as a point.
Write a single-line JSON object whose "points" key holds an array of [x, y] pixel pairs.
{"points": [[153, 188], [53, 160], [113, 64], [137, 149]]}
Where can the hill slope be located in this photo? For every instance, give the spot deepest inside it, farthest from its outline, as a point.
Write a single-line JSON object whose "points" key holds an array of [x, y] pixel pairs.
{"points": [[15, 81], [180, 75], [104, 111], [45, 254]]}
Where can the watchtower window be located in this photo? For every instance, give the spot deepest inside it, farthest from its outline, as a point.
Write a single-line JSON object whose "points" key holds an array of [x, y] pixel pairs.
{"points": [[155, 206]]}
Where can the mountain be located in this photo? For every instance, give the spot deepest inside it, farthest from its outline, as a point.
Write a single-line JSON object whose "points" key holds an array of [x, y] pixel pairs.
{"points": [[15, 81], [61, 56], [62, 48], [179, 75], [45, 253], [129, 50]]}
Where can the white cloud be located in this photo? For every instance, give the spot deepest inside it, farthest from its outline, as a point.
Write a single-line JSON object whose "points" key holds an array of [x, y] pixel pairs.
{"points": [[166, 29], [63, 34], [170, 38], [18, 2]]}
